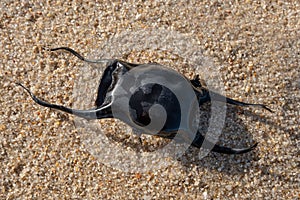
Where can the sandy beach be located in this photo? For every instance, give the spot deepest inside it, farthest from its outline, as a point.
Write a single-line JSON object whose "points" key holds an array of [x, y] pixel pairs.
{"points": [[252, 47]]}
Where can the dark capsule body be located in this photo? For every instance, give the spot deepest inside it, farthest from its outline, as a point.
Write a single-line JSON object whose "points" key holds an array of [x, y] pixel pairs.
{"points": [[148, 95]]}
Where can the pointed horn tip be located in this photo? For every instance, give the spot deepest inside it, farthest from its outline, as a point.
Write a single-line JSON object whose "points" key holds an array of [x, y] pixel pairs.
{"points": [[268, 109], [251, 148], [264, 107], [25, 88], [20, 84], [254, 146]]}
